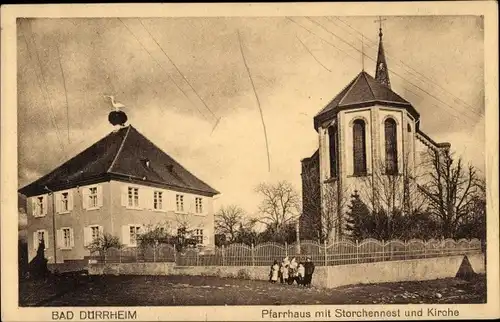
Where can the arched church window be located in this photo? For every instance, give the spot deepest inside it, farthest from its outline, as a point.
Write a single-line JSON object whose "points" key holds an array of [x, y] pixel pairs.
{"points": [[391, 148], [332, 135], [359, 147]]}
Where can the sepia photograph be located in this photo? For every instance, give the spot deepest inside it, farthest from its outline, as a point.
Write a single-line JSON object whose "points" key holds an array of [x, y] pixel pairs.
{"points": [[270, 161]]}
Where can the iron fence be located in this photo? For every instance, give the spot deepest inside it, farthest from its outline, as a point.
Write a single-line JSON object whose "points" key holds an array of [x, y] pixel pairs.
{"points": [[338, 253]]}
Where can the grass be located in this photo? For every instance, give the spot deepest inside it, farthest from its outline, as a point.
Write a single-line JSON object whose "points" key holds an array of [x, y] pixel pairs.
{"points": [[83, 290]]}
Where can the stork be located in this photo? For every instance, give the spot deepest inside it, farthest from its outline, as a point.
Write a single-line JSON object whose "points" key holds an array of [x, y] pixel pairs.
{"points": [[116, 105], [116, 117]]}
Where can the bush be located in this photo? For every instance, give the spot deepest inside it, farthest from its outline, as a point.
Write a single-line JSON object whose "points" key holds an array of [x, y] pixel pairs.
{"points": [[103, 243]]}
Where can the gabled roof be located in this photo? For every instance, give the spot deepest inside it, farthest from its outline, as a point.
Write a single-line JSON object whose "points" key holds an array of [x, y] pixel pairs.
{"points": [[121, 155], [362, 91]]}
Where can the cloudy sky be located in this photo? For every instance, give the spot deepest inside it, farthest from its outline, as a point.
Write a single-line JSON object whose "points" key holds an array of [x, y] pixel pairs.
{"points": [[177, 76]]}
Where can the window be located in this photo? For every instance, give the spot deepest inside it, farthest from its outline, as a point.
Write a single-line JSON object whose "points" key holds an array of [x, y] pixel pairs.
{"points": [[408, 127], [133, 197], [198, 205], [134, 232], [158, 200], [66, 235], [95, 232], [332, 135], [39, 206], [64, 202], [40, 236], [198, 236], [179, 202], [391, 149], [359, 147], [93, 197]]}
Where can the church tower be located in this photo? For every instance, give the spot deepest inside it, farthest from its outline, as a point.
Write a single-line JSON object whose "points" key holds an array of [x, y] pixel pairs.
{"points": [[382, 73], [367, 137]]}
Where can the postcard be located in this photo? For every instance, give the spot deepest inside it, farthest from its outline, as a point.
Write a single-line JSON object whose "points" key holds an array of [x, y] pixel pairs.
{"points": [[250, 162]]}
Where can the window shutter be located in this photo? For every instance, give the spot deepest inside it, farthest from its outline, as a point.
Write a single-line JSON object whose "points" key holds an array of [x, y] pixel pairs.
{"points": [[85, 197], [101, 231], [124, 190], [59, 239], [46, 204], [86, 236], [57, 201], [143, 196], [70, 200], [35, 240], [150, 198], [46, 238], [99, 196], [126, 234], [164, 200], [72, 237], [34, 207]]}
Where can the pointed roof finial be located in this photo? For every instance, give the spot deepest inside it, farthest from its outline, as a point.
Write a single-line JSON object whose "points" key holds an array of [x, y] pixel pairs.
{"points": [[381, 71]]}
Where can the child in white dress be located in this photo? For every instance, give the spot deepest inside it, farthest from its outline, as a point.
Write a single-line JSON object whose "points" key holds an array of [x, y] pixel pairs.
{"points": [[274, 272]]}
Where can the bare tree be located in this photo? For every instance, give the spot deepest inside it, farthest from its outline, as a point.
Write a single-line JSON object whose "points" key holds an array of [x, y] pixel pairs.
{"points": [[451, 191], [393, 193], [230, 220], [390, 196], [280, 205]]}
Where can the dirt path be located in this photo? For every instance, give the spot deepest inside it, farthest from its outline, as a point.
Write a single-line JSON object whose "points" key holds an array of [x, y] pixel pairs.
{"points": [[198, 290]]}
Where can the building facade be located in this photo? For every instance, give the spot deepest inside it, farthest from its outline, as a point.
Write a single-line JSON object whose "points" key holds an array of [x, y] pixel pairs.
{"points": [[122, 185], [369, 140]]}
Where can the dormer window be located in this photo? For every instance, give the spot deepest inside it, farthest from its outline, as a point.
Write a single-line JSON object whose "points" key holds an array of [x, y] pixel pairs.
{"points": [[146, 162]]}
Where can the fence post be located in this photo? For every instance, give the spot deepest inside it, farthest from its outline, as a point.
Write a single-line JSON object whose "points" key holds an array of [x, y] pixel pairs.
{"points": [[405, 250], [175, 254], [154, 253], [223, 259], [253, 256], [357, 251], [286, 249], [383, 251], [120, 255], [326, 255]]}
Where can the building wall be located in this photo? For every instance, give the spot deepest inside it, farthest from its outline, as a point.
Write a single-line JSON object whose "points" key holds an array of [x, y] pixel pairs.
{"points": [[310, 219], [111, 216]]}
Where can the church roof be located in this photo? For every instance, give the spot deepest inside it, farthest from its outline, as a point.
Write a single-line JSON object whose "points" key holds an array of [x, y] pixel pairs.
{"points": [[124, 155], [362, 91]]}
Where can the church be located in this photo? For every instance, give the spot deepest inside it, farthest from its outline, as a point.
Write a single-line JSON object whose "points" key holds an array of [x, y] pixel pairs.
{"points": [[370, 144]]}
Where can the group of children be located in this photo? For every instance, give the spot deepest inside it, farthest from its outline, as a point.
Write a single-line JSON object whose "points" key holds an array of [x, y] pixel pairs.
{"points": [[292, 271]]}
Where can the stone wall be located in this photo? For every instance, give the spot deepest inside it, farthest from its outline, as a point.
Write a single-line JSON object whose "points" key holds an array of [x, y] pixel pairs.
{"points": [[329, 276]]}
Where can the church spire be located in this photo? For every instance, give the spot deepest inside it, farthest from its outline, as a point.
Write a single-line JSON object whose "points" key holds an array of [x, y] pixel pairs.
{"points": [[382, 72]]}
